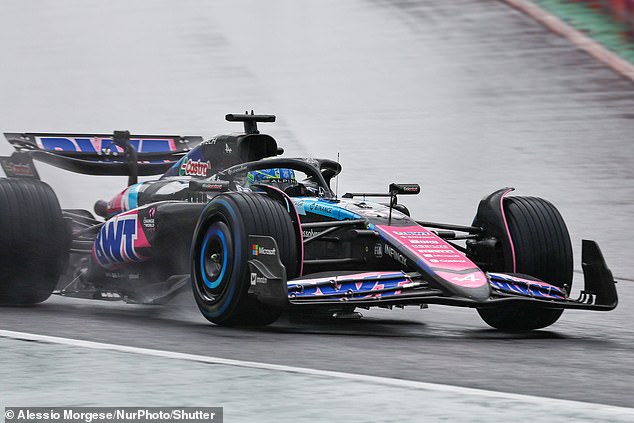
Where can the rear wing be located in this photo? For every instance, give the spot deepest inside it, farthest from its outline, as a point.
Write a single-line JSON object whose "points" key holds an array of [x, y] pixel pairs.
{"points": [[97, 154]]}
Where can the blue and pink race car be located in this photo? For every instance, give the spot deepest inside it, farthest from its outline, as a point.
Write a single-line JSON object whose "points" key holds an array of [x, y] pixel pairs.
{"points": [[256, 234]]}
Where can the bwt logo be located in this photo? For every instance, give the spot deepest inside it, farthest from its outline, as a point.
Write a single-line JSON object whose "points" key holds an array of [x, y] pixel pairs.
{"points": [[99, 145], [256, 250], [115, 241]]}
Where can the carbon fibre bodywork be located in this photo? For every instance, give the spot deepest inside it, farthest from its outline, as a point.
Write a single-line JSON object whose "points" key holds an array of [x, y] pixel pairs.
{"points": [[351, 252]]}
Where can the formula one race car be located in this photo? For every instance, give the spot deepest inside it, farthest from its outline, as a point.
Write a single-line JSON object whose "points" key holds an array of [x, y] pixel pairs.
{"points": [[255, 234]]}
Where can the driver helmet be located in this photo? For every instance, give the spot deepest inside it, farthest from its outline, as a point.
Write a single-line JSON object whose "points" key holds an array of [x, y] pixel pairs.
{"points": [[279, 177]]}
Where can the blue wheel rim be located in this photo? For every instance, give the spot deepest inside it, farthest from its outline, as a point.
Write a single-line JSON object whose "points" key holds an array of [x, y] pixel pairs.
{"points": [[210, 247]]}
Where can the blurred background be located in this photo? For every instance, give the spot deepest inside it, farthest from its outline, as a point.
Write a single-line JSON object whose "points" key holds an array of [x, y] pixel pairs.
{"points": [[463, 97]]}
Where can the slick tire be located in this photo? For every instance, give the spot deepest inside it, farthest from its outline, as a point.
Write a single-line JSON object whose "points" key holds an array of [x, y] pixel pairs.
{"points": [[542, 250], [34, 241], [221, 285]]}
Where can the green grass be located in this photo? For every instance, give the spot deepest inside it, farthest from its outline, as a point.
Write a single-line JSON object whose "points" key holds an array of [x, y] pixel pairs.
{"points": [[596, 24]]}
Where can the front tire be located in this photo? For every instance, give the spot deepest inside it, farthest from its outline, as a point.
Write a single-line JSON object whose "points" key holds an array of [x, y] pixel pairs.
{"points": [[543, 250], [220, 252], [34, 241]]}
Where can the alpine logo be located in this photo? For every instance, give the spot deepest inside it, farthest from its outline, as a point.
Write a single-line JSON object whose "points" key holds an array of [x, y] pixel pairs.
{"points": [[471, 277], [115, 241], [257, 250], [195, 168]]}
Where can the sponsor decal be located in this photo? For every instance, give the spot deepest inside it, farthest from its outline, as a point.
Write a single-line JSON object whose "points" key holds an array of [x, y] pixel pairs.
{"points": [[422, 241], [391, 252], [104, 145], [194, 168], [309, 233], [148, 222], [316, 207], [257, 250], [322, 208], [407, 233], [447, 261], [471, 277], [429, 248], [237, 169], [212, 186], [18, 169], [378, 251], [115, 242], [255, 279]]}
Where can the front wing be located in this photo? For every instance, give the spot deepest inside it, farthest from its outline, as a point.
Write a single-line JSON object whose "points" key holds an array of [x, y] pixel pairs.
{"points": [[398, 288]]}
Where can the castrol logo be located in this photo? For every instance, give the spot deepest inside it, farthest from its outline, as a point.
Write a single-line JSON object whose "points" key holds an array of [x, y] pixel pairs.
{"points": [[195, 168]]}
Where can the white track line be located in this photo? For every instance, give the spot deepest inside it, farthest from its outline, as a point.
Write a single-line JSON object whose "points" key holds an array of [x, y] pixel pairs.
{"points": [[401, 383], [593, 48]]}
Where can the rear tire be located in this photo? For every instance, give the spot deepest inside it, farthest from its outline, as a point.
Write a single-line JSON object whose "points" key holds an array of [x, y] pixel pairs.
{"points": [[220, 252], [34, 241], [542, 250]]}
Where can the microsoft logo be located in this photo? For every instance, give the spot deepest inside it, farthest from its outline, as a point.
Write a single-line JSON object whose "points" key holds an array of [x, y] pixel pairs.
{"points": [[257, 250]]}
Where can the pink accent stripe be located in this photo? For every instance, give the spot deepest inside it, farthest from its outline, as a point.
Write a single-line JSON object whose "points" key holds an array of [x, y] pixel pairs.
{"points": [[577, 38], [299, 222], [115, 205], [301, 235], [506, 226]]}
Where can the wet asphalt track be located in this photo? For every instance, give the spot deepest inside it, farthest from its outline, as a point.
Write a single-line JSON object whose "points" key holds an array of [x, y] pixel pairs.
{"points": [[462, 97]]}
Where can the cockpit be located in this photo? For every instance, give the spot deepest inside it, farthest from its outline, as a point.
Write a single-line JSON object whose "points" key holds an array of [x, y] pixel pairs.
{"points": [[296, 177]]}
